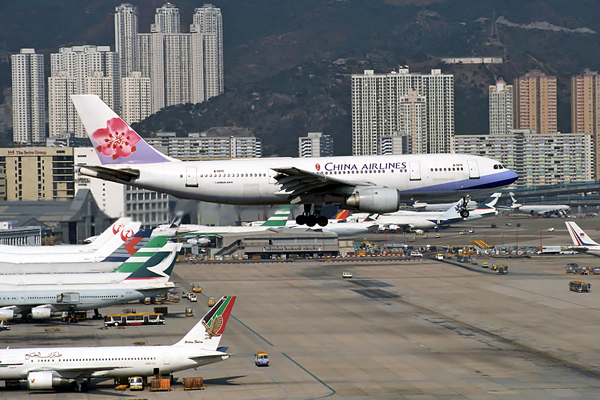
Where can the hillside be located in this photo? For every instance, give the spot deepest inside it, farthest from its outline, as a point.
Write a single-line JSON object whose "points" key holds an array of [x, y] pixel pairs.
{"points": [[288, 63]]}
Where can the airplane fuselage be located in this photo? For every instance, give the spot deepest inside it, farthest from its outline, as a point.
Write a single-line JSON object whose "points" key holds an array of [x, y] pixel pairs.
{"points": [[251, 181], [118, 361]]}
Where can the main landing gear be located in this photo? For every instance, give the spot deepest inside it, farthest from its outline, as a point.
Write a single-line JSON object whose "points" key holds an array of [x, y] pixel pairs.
{"points": [[464, 213], [311, 219]]}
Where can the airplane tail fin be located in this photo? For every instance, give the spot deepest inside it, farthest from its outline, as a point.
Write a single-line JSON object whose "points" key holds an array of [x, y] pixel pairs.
{"points": [[515, 203], [492, 200], [110, 232], [280, 217], [579, 237], [176, 223], [159, 266], [115, 142], [119, 240], [137, 259], [130, 246], [453, 213], [208, 331], [343, 214]]}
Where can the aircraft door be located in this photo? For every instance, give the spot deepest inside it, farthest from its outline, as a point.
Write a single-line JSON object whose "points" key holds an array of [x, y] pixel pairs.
{"points": [[473, 169], [167, 359], [191, 177], [415, 171]]}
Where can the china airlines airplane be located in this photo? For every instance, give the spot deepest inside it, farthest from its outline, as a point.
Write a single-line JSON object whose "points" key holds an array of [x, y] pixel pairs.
{"points": [[363, 183], [48, 367]]}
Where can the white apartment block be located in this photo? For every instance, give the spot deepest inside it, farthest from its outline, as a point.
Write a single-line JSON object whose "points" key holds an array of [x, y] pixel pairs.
{"points": [[315, 144], [79, 70], [28, 97], [136, 97], [380, 103], [501, 108], [213, 143], [182, 67], [126, 38], [539, 159]]}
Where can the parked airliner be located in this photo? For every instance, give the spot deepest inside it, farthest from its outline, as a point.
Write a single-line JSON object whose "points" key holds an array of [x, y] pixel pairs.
{"points": [[581, 241], [41, 301], [47, 367], [544, 210], [363, 183], [187, 231], [105, 259], [111, 232]]}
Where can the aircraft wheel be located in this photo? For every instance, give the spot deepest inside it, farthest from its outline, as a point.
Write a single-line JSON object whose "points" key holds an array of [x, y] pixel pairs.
{"points": [[311, 220], [322, 221], [464, 213], [301, 219], [83, 387]]}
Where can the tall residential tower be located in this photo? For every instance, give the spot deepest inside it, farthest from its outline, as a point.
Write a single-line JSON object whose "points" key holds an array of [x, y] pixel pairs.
{"points": [[29, 98], [501, 108], [536, 102]]}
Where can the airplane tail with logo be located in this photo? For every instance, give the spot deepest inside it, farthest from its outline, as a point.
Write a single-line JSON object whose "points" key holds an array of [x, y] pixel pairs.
{"points": [[579, 237], [206, 334], [491, 201], [131, 241], [280, 217], [137, 259], [343, 214], [119, 240], [159, 266], [109, 233], [114, 141], [453, 213]]}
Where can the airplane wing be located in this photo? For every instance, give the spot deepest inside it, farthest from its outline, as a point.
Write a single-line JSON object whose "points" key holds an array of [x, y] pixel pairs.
{"points": [[299, 184]]}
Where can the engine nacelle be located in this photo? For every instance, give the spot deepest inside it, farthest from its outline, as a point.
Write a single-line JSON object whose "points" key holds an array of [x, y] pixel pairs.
{"points": [[373, 200], [44, 380], [6, 313], [41, 313]]}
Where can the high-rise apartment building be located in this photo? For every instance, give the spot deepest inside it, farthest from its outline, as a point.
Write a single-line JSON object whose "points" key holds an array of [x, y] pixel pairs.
{"points": [[501, 108], [315, 144], [420, 107], [126, 38], [28, 97], [536, 102], [182, 67], [208, 23], [539, 159], [585, 110], [79, 70], [136, 97]]}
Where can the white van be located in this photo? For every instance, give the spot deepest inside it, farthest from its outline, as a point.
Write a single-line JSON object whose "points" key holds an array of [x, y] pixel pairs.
{"points": [[416, 254]]}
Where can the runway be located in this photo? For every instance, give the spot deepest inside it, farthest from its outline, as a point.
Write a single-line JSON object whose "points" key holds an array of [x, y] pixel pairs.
{"points": [[396, 330]]}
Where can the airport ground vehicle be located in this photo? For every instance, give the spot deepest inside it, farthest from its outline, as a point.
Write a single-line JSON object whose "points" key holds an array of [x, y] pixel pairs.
{"points": [[134, 319], [196, 288], [485, 264], [495, 267], [572, 268], [416, 254], [580, 287], [211, 301], [4, 326], [136, 383], [502, 270], [192, 297], [439, 257], [189, 312], [346, 275], [261, 359]]}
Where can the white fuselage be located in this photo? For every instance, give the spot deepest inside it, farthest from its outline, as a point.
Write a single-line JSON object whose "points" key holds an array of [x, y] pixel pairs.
{"points": [[251, 181], [118, 361]]}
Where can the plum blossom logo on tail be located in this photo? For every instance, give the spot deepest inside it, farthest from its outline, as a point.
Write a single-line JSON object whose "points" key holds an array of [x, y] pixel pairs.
{"points": [[116, 140], [318, 167]]}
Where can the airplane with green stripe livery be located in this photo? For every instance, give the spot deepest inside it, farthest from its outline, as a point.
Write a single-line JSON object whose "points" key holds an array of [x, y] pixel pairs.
{"points": [[277, 220], [45, 368], [41, 301]]}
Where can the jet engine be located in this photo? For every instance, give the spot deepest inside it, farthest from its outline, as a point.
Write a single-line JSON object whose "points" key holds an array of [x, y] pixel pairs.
{"points": [[6, 313], [41, 312], [373, 200], [44, 380]]}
